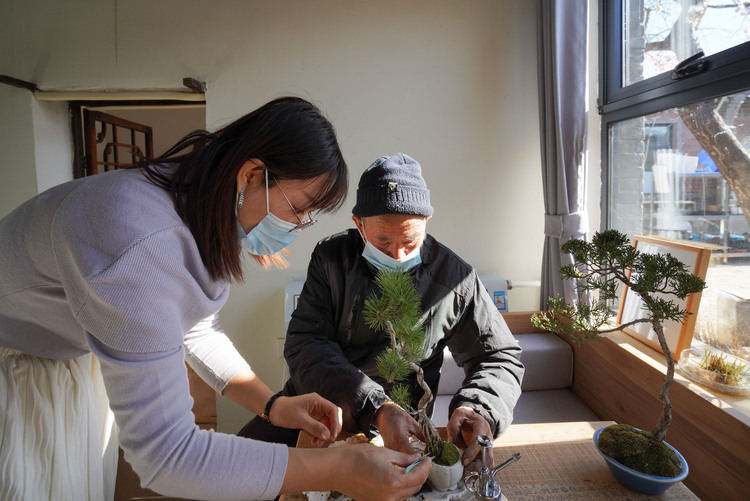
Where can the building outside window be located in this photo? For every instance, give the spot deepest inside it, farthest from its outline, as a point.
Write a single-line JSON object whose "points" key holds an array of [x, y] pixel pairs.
{"points": [[676, 141]]}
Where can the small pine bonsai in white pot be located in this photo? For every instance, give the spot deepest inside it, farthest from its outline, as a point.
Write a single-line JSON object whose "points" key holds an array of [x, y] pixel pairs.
{"points": [[396, 312], [600, 265]]}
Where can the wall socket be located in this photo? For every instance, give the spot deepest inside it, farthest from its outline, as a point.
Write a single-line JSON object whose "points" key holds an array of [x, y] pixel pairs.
{"points": [[280, 347]]}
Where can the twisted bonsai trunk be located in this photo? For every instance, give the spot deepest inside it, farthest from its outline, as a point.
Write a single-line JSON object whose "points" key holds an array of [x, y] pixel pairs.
{"points": [[433, 442], [660, 430]]}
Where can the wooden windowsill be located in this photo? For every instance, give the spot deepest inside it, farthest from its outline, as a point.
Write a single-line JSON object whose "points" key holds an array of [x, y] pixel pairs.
{"points": [[737, 406]]}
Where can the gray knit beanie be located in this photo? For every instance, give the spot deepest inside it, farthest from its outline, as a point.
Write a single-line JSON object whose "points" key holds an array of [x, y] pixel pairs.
{"points": [[393, 185]]}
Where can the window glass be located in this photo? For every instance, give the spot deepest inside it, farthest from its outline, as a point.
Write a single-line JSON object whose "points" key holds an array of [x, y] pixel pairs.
{"points": [[658, 34], [677, 173]]}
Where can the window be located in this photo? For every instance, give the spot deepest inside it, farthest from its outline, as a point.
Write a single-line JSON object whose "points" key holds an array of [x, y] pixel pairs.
{"points": [[676, 141], [658, 34]]}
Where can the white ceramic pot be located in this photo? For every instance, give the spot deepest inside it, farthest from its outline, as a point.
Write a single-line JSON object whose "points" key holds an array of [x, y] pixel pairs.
{"points": [[446, 478]]}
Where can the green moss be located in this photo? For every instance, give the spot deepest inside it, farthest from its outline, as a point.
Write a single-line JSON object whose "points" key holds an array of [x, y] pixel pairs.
{"points": [[636, 449], [448, 455]]}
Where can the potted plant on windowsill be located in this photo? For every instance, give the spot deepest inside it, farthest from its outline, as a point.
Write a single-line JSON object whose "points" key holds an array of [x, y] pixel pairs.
{"points": [[641, 460], [718, 371], [397, 313]]}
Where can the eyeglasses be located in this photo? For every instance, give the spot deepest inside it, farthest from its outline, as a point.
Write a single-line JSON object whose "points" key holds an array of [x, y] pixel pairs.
{"points": [[302, 224]]}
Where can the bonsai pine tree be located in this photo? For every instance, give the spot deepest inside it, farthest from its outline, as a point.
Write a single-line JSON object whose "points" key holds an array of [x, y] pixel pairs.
{"points": [[396, 312], [600, 266]]}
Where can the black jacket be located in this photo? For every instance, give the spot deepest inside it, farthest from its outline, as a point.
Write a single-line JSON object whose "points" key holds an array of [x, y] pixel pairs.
{"points": [[330, 350]]}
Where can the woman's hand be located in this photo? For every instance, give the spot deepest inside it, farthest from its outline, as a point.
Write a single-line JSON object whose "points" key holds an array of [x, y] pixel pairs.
{"points": [[363, 472], [377, 473], [309, 412]]}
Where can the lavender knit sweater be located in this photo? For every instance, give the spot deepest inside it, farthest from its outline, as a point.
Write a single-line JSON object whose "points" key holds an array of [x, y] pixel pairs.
{"points": [[104, 264]]}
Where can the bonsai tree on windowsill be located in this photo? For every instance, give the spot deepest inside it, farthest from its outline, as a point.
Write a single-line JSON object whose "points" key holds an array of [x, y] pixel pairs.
{"points": [[397, 313], [600, 266]]}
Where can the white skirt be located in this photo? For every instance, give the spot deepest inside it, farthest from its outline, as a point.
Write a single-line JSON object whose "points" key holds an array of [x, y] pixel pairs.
{"points": [[57, 434]]}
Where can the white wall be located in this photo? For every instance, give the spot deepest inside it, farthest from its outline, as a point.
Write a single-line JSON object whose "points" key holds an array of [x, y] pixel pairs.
{"points": [[53, 145], [36, 144], [36, 140], [451, 83], [17, 144]]}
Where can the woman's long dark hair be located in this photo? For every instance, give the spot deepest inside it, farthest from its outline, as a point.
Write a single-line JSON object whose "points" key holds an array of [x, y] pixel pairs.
{"points": [[292, 138]]}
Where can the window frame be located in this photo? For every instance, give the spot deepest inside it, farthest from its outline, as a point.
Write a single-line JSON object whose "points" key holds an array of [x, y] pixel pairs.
{"points": [[725, 72]]}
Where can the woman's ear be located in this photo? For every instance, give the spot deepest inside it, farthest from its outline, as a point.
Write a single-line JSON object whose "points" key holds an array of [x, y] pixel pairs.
{"points": [[251, 174]]}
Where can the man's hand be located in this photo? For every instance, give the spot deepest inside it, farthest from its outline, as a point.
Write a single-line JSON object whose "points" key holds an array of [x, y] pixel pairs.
{"points": [[396, 426], [467, 423], [309, 412]]}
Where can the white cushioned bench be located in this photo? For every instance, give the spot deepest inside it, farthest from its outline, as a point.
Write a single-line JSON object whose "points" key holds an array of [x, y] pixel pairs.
{"points": [[546, 394]]}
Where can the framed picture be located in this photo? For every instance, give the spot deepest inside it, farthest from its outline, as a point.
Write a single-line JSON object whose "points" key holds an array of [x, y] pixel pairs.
{"points": [[678, 336]]}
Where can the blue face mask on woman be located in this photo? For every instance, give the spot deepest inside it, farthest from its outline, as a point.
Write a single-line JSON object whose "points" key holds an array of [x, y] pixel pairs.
{"points": [[380, 259], [270, 235]]}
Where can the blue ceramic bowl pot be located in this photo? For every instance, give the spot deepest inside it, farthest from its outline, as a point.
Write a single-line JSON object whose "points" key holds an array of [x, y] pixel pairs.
{"points": [[640, 482]]}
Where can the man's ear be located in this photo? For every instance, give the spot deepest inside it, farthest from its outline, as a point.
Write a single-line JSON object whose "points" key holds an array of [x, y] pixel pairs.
{"points": [[360, 226], [251, 174]]}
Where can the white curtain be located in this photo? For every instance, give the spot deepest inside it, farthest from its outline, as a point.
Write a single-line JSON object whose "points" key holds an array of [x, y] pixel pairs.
{"points": [[562, 100]]}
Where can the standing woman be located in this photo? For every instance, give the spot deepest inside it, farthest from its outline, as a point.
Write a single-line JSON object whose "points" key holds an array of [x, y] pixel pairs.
{"points": [[128, 270]]}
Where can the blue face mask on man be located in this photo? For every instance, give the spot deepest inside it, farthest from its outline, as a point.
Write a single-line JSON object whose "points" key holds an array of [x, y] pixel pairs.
{"points": [[270, 235], [380, 259]]}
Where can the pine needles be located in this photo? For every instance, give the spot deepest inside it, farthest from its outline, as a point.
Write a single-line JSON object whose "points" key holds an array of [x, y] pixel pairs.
{"points": [[397, 313]]}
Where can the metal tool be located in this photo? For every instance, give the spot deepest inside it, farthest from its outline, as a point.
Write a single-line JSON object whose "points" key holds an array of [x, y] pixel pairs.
{"points": [[483, 483], [415, 463]]}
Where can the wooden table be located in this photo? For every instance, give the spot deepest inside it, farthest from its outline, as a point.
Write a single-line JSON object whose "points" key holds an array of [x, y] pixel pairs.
{"points": [[558, 462]]}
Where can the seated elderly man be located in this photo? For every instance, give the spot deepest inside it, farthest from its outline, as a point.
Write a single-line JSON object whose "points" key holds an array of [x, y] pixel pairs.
{"points": [[330, 349]]}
